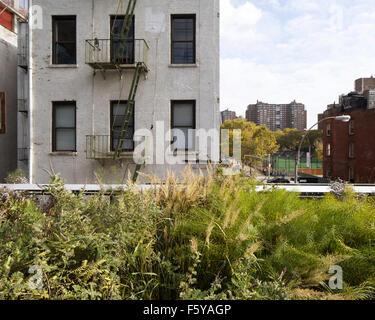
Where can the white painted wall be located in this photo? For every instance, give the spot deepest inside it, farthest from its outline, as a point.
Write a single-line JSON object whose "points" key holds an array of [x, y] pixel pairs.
{"points": [[94, 93]]}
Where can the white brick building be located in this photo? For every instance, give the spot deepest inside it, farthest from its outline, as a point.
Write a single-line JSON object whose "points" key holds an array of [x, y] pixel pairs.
{"points": [[81, 72]]}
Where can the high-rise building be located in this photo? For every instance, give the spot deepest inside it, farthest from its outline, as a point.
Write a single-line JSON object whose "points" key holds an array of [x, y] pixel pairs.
{"points": [[278, 116], [228, 115]]}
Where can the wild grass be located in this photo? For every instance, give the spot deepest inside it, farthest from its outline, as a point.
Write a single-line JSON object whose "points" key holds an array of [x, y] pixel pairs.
{"points": [[193, 237]]}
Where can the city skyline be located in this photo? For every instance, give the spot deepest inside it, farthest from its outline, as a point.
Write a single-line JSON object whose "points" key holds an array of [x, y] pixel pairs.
{"points": [[284, 50]]}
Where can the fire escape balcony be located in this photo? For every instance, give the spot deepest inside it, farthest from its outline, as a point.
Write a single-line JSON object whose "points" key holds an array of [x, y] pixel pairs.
{"points": [[110, 54], [101, 147]]}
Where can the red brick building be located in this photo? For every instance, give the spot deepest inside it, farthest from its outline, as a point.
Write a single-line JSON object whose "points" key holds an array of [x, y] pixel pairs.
{"points": [[349, 148]]}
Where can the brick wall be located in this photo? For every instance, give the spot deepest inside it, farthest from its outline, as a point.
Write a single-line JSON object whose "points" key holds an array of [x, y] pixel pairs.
{"points": [[339, 163]]}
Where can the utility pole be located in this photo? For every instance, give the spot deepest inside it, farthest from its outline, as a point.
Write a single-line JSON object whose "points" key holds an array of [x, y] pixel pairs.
{"points": [[269, 166]]}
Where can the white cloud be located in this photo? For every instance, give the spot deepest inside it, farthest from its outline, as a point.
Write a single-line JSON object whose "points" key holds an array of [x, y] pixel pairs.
{"points": [[310, 51]]}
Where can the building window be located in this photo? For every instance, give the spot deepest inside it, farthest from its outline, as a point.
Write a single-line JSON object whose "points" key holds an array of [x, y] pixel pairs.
{"points": [[328, 130], [183, 39], [122, 50], [351, 175], [183, 124], [328, 173], [64, 127], [6, 19], [351, 150], [328, 150], [351, 127], [64, 40], [2, 113], [118, 114]]}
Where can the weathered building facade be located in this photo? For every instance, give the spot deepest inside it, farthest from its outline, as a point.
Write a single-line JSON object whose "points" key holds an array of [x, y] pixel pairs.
{"points": [[349, 149], [12, 13], [101, 72]]}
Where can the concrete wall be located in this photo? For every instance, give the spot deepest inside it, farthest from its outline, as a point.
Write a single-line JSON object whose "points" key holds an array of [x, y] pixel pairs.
{"points": [[94, 93], [8, 84]]}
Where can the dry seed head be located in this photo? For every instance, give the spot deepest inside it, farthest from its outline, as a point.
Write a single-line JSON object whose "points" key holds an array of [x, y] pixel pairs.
{"points": [[194, 245], [251, 250], [210, 227]]}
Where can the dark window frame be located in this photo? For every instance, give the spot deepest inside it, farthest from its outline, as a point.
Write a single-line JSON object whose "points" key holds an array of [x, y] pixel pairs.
{"points": [[132, 39], [112, 105], [351, 128], [351, 175], [3, 108], [351, 150], [194, 41], [194, 127], [328, 129], [54, 128], [56, 18], [328, 150]]}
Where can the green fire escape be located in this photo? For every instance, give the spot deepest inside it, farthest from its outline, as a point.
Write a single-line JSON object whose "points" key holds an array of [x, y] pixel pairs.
{"points": [[114, 54]]}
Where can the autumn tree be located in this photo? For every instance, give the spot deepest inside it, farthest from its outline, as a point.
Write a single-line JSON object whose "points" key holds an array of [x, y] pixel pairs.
{"points": [[256, 141]]}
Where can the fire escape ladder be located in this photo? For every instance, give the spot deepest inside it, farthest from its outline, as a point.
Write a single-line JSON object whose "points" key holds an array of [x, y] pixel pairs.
{"points": [[125, 29], [123, 38], [129, 110]]}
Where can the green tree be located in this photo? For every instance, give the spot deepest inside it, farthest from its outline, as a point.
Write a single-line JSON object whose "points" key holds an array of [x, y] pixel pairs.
{"points": [[257, 141]]}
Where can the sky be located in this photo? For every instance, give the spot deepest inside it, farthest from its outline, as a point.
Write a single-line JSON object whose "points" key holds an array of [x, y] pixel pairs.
{"points": [[311, 51]]}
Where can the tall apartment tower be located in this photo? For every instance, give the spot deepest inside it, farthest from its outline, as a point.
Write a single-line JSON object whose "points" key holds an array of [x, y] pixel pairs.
{"points": [[278, 116], [13, 14], [228, 115], [108, 77]]}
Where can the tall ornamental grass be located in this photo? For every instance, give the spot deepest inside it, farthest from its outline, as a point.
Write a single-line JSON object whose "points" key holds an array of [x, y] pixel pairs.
{"points": [[195, 237]]}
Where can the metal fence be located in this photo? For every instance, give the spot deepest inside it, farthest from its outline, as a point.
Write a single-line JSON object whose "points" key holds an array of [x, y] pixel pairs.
{"points": [[104, 53], [98, 147]]}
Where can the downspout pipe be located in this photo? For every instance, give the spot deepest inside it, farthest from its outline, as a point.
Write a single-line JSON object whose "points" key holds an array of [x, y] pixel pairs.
{"points": [[31, 100]]}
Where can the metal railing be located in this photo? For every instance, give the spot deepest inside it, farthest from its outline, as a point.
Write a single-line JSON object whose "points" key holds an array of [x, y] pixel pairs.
{"points": [[99, 147], [305, 191], [112, 54]]}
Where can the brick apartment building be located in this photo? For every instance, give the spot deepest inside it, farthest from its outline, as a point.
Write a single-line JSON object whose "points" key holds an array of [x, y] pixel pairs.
{"points": [[278, 116], [349, 149], [228, 115]]}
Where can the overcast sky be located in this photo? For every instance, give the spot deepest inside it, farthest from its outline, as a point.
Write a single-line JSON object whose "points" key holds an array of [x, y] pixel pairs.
{"points": [[280, 50]]}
